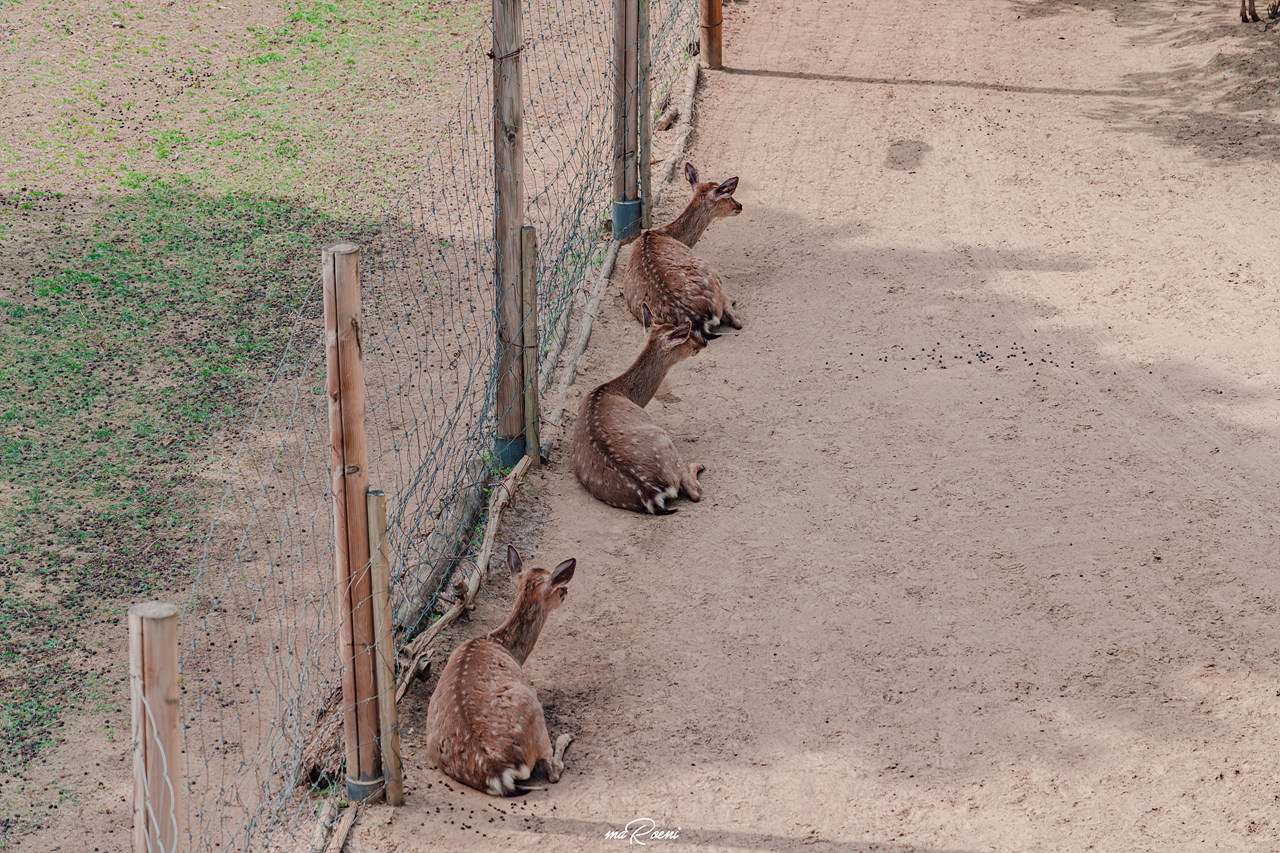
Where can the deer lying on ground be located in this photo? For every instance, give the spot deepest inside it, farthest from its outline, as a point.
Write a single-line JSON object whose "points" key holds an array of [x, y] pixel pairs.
{"points": [[666, 275], [484, 724], [619, 454]]}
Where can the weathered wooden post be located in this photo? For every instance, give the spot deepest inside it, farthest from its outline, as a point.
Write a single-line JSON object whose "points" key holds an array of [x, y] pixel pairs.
{"points": [[626, 127], [159, 816], [508, 171], [644, 110], [349, 463], [384, 660], [709, 18], [529, 335]]}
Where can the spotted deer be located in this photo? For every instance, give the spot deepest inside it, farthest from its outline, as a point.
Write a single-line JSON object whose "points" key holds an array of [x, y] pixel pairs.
{"points": [[484, 724], [619, 454], [666, 275]]}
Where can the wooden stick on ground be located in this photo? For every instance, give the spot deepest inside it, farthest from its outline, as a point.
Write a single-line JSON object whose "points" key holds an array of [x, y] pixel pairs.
{"points": [[584, 333], [328, 811], [424, 643], [343, 829]]}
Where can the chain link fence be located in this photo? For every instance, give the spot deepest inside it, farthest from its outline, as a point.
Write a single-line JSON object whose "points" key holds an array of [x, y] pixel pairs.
{"points": [[259, 626]]}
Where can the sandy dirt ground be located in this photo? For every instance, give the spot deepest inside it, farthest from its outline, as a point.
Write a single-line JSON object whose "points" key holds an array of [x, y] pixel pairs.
{"points": [[986, 558]]}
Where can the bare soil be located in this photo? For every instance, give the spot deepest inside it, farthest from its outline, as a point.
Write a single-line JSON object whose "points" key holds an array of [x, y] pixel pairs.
{"points": [[986, 553]]}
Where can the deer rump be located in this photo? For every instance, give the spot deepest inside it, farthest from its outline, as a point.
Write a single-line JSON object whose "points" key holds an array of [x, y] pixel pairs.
{"points": [[632, 464], [506, 704], [676, 284]]}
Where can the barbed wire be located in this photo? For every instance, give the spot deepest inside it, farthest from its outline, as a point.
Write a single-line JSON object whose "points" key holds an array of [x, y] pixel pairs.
{"points": [[260, 622]]}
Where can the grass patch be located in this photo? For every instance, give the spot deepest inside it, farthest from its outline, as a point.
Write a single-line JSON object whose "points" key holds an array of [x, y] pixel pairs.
{"points": [[125, 345], [279, 109]]}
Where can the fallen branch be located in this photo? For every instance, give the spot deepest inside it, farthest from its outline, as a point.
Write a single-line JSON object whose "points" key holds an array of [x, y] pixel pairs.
{"points": [[328, 811], [447, 541], [686, 123], [668, 118], [424, 644], [562, 333], [584, 333], [343, 829]]}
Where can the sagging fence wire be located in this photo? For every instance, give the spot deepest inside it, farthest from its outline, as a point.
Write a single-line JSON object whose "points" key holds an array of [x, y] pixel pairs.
{"points": [[260, 624]]}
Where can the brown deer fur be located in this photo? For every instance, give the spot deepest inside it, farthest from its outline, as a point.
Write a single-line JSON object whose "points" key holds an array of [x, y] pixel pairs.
{"points": [[619, 454], [666, 275], [484, 724]]}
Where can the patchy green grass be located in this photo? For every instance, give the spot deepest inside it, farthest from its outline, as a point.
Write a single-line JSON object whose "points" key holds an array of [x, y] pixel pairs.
{"points": [[136, 338], [283, 108], [168, 175]]}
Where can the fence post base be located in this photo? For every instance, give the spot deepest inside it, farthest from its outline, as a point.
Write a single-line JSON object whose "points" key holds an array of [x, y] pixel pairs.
{"points": [[626, 218], [361, 790], [509, 451]]}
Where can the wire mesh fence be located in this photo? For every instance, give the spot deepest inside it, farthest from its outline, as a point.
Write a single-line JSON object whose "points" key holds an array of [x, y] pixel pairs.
{"points": [[260, 625]]}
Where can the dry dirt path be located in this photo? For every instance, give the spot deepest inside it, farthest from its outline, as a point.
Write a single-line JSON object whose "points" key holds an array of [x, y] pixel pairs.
{"points": [[987, 553]]}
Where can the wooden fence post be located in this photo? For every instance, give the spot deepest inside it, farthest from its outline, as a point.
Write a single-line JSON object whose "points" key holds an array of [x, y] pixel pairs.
{"points": [[626, 129], [508, 170], [384, 660], [709, 19], [644, 110], [159, 817], [349, 463], [529, 334]]}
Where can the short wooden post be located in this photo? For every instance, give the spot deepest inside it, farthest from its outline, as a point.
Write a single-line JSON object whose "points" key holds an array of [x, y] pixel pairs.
{"points": [[349, 463], [159, 817], [508, 169], [529, 335], [644, 110], [384, 660], [626, 133], [709, 19]]}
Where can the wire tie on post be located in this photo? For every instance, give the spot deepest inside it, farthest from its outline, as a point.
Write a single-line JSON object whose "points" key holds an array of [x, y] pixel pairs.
{"points": [[505, 55]]}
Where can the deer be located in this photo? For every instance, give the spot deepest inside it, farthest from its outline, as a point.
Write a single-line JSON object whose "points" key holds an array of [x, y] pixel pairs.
{"points": [[665, 274], [485, 725], [1249, 12], [618, 453]]}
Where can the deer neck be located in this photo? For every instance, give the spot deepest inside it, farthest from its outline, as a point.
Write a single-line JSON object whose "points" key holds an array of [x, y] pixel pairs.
{"points": [[520, 632], [642, 379], [689, 225]]}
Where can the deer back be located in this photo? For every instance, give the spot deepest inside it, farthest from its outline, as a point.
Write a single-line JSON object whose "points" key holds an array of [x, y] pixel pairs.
{"points": [[485, 725], [676, 284], [485, 722], [621, 456]]}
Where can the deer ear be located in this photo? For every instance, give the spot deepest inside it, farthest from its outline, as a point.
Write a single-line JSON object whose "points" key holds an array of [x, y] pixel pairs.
{"points": [[726, 188], [562, 573], [691, 173], [682, 332], [513, 561], [648, 317]]}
